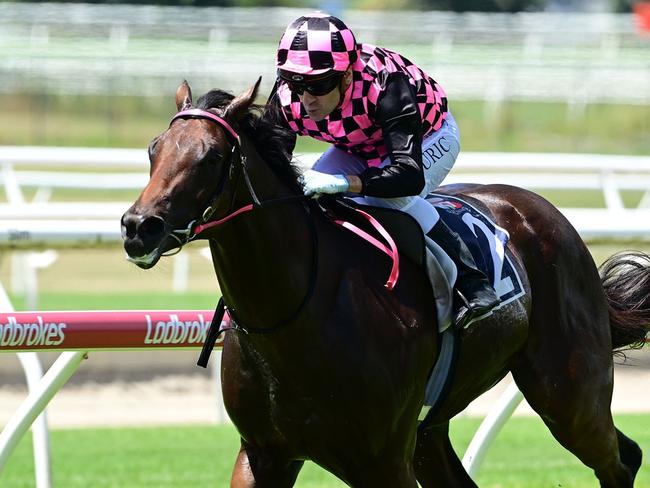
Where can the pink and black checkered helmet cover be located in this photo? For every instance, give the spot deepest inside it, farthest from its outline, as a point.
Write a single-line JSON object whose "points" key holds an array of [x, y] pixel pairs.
{"points": [[315, 44]]}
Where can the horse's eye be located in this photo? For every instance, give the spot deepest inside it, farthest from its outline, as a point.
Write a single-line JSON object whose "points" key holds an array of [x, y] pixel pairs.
{"points": [[213, 157]]}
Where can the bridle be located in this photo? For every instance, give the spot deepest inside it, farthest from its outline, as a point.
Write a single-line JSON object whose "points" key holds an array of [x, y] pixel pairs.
{"points": [[238, 161], [195, 227]]}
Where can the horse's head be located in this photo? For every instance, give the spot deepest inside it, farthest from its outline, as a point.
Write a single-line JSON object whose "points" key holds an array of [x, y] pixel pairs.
{"points": [[190, 165]]}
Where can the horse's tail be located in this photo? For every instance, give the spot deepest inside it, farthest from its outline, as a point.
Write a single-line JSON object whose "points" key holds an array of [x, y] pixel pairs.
{"points": [[626, 280]]}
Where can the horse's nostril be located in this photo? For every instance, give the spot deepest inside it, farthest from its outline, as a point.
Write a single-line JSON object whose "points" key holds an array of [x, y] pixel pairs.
{"points": [[130, 223], [151, 227], [138, 226]]}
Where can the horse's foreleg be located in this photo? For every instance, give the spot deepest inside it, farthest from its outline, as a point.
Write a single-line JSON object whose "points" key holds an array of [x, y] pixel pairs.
{"points": [[255, 468], [436, 463]]}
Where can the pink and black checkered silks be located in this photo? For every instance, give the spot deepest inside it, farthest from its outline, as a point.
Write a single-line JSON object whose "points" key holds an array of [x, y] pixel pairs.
{"points": [[352, 127], [316, 44]]}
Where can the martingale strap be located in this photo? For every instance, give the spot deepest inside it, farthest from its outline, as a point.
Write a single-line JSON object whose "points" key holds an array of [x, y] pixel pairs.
{"points": [[214, 223], [212, 334], [390, 250]]}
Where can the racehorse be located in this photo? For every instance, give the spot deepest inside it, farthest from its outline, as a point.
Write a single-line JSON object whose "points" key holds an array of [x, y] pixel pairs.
{"points": [[325, 363]]}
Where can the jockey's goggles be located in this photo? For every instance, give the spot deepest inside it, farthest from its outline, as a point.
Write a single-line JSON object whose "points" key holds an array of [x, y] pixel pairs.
{"points": [[316, 86]]}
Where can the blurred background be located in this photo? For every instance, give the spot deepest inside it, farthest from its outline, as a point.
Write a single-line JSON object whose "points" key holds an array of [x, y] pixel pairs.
{"points": [[522, 75], [560, 86]]}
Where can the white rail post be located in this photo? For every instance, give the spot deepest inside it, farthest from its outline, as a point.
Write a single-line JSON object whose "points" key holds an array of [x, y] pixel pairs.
{"points": [[490, 427], [38, 398], [40, 435], [12, 187], [180, 276], [611, 191]]}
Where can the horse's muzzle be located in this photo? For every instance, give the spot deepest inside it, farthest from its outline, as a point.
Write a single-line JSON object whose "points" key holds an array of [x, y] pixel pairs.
{"points": [[143, 237]]}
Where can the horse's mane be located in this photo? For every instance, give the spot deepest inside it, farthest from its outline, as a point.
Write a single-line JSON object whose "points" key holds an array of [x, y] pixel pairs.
{"points": [[274, 143]]}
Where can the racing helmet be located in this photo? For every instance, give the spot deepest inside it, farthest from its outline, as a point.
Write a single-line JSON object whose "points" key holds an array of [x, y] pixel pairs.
{"points": [[315, 46]]}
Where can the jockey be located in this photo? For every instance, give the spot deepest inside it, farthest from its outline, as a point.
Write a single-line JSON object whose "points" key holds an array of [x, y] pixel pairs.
{"points": [[393, 137]]}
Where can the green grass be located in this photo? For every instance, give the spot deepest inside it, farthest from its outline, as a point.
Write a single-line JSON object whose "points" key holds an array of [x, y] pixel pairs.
{"points": [[121, 301], [526, 456], [523, 456], [122, 121]]}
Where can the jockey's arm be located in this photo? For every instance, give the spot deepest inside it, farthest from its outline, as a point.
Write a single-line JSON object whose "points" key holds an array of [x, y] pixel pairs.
{"points": [[399, 117]]}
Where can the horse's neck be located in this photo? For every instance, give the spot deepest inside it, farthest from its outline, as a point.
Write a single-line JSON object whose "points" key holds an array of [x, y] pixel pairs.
{"points": [[263, 258]]}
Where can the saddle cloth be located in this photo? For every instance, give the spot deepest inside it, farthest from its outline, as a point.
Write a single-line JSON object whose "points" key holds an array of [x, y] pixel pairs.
{"points": [[485, 240]]}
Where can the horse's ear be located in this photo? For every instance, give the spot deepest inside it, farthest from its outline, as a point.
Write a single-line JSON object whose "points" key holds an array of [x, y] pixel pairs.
{"points": [[241, 103], [183, 96]]}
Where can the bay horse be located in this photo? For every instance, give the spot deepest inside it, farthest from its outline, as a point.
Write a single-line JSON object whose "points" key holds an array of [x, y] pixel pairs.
{"points": [[326, 364]]}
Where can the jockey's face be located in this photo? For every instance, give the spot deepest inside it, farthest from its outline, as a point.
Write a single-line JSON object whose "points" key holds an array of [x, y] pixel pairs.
{"points": [[319, 107]]}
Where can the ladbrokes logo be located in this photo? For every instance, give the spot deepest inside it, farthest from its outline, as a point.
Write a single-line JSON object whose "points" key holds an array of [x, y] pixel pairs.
{"points": [[175, 331], [39, 333]]}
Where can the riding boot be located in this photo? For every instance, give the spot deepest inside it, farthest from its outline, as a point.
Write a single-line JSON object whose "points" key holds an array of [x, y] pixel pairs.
{"points": [[474, 296]]}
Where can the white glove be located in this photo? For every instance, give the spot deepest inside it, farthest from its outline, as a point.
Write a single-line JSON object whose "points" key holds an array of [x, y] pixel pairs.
{"points": [[314, 182]]}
